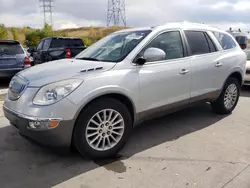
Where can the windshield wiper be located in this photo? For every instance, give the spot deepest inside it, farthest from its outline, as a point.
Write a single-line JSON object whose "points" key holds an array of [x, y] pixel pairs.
{"points": [[88, 58]]}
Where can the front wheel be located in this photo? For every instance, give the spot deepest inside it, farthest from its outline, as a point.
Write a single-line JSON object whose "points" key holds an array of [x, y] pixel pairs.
{"points": [[228, 98], [102, 129]]}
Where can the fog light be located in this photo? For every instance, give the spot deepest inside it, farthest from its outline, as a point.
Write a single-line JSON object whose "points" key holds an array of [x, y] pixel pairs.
{"points": [[41, 125]]}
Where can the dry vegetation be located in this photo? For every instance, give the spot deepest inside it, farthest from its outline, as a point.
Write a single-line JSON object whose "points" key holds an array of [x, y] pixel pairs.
{"points": [[83, 32]]}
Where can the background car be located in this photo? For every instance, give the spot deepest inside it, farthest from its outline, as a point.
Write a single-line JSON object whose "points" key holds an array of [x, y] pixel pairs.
{"points": [[29, 55], [13, 58], [247, 75], [54, 48]]}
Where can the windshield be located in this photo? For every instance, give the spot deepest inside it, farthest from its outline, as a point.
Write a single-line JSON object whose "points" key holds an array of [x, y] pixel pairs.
{"points": [[115, 47]]}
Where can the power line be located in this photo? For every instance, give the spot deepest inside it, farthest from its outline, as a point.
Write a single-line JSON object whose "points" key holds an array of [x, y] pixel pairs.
{"points": [[116, 14], [47, 8]]}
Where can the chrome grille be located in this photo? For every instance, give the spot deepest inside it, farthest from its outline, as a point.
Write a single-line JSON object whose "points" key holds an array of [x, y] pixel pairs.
{"points": [[16, 87]]}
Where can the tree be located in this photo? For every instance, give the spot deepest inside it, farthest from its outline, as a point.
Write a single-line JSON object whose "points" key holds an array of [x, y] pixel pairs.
{"points": [[3, 32], [47, 31], [33, 37], [15, 33]]}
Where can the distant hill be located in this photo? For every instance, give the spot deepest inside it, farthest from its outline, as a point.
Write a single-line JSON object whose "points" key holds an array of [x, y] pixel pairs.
{"points": [[74, 32]]}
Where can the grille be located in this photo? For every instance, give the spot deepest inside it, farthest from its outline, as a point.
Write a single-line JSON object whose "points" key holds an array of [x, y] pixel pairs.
{"points": [[248, 71], [17, 87]]}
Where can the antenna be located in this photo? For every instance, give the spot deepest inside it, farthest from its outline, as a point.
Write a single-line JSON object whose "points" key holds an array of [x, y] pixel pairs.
{"points": [[47, 8], [116, 13]]}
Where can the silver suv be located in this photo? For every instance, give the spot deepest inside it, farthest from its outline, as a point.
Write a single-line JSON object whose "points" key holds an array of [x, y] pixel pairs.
{"points": [[92, 102]]}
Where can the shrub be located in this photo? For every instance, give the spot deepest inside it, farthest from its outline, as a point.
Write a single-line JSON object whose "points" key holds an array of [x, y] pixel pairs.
{"points": [[3, 32], [33, 37], [15, 33], [87, 41]]}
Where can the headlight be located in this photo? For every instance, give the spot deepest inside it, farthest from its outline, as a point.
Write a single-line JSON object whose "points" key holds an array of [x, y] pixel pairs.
{"points": [[54, 92]]}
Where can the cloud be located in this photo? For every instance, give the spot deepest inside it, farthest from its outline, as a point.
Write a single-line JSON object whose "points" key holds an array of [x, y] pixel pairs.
{"points": [[77, 13]]}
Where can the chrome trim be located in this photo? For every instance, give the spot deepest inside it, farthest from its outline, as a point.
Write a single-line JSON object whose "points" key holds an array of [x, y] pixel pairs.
{"points": [[32, 118]]}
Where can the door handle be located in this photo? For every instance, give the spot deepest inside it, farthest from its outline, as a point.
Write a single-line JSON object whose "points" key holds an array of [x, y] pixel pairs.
{"points": [[184, 71], [218, 64]]}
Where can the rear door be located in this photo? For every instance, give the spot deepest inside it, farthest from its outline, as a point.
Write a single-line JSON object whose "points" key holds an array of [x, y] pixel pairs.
{"points": [[204, 55], [11, 55]]}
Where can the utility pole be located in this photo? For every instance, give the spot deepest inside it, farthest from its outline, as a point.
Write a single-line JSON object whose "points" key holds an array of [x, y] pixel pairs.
{"points": [[47, 8], [116, 14]]}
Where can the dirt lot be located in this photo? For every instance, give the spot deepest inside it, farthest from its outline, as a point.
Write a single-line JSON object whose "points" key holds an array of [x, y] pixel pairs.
{"points": [[191, 148]]}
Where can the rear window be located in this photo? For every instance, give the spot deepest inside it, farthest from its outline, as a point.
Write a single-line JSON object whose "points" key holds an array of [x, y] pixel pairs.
{"points": [[10, 49], [225, 40], [66, 43]]}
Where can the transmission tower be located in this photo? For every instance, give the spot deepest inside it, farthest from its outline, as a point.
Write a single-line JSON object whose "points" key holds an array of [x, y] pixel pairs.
{"points": [[116, 13], [47, 8]]}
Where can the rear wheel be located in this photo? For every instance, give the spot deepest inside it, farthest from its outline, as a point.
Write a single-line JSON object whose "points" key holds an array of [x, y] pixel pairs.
{"points": [[228, 98], [102, 129]]}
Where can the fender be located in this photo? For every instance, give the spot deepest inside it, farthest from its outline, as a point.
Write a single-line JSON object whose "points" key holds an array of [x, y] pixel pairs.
{"points": [[103, 91], [234, 70]]}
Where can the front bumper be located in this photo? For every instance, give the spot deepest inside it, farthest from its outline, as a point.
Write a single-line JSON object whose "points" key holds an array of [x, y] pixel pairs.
{"points": [[59, 137]]}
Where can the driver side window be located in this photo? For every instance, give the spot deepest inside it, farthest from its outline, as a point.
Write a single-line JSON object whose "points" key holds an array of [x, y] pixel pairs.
{"points": [[40, 45], [170, 42]]}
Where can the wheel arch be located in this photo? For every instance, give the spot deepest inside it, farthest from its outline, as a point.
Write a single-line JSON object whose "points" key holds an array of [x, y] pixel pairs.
{"points": [[116, 95], [123, 98], [235, 74]]}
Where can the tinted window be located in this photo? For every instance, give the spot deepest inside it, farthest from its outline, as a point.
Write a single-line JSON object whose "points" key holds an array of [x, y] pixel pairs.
{"points": [[40, 45], [197, 42], [46, 44], [211, 44], [225, 40], [10, 49], [170, 43], [66, 43]]}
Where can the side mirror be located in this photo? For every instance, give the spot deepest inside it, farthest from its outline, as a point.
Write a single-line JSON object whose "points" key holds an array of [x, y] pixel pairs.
{"points": [[154, 54]]}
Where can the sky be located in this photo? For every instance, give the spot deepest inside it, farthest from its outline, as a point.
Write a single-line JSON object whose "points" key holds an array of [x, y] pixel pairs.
{"points": [[80, 13]]}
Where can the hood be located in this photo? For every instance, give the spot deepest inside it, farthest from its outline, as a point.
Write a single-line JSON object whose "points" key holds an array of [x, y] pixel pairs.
{"points": [[62, 69]]}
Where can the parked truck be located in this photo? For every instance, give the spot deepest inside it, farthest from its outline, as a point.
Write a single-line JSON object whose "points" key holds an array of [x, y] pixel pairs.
{"points": [[54, 48]]}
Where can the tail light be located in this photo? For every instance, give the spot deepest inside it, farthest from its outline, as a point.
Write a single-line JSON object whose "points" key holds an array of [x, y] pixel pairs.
{"points": [[68, 53], [27, 61]]}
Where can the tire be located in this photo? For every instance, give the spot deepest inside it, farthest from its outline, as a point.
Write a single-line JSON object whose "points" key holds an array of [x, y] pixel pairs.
{"points": [[83, 124], [219, 105]]}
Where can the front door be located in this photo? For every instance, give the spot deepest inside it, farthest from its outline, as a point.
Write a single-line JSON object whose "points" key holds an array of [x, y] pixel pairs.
{"points": [[37, 53], [164, 84]]}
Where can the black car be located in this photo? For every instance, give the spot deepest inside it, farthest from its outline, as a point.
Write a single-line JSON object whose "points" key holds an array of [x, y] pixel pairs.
{"points": [[54, 48]]}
